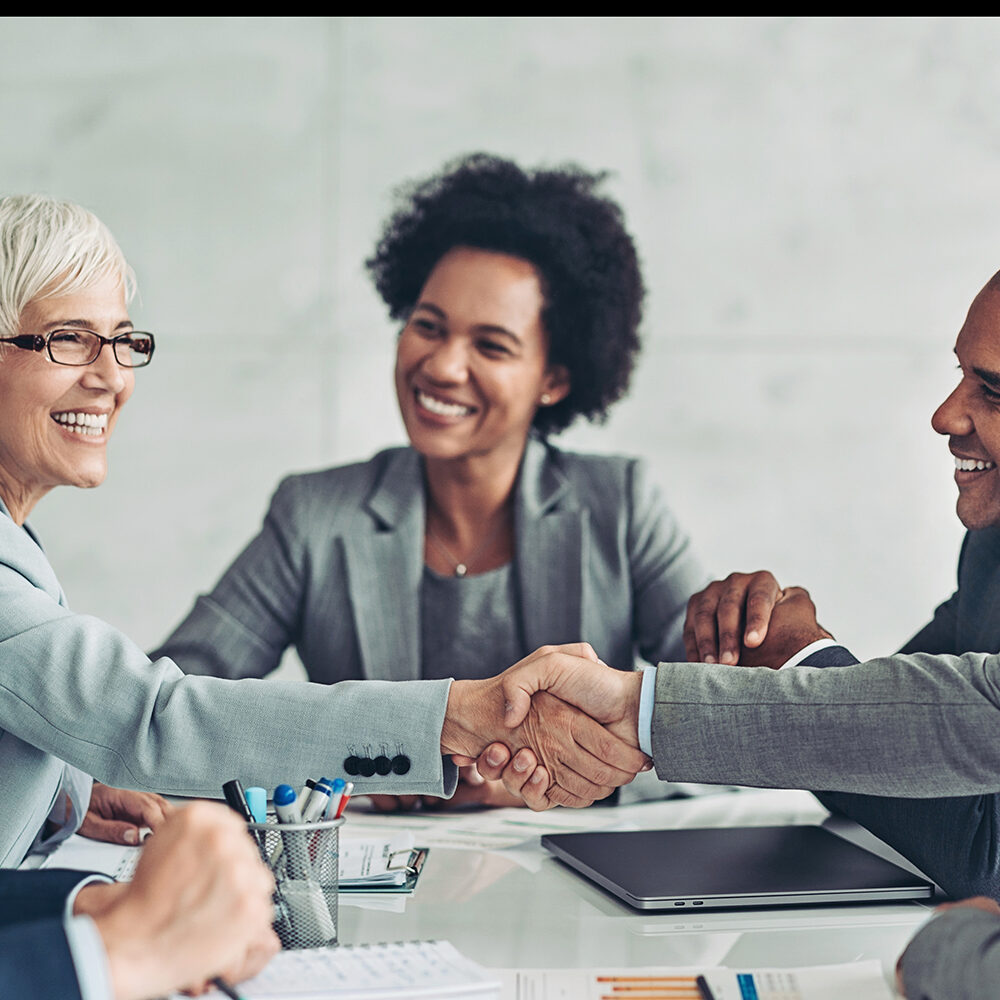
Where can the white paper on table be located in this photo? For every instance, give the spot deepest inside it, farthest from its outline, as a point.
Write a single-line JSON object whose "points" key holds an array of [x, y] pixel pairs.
{"points": [[857, 980], [375, 861], [412, 969], [359, 858]]}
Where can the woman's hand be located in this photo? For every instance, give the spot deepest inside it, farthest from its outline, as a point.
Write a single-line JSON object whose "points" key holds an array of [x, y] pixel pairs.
{"points": [[473, 790], [728, 615], [117, 815]]}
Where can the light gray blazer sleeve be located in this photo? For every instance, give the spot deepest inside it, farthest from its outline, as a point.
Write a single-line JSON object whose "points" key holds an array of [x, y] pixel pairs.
{"points": [[74, 688], [955, 956], [906, 725]]}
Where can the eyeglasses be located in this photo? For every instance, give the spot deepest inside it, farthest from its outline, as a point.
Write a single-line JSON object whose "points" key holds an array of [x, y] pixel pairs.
{"points": [[83, 347]]}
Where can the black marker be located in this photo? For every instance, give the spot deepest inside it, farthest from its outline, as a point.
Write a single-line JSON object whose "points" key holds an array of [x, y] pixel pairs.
{"points": [[237, 800]]}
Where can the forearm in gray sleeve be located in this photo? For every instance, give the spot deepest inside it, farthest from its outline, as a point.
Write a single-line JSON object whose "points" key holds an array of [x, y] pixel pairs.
{"points": [[956, 956]]}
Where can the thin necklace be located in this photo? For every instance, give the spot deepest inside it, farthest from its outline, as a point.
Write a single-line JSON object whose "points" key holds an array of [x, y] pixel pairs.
{"points": [[462, 568]]}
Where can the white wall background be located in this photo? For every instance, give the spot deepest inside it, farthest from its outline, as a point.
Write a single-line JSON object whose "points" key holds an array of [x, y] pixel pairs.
{"points": [[815, 203]]}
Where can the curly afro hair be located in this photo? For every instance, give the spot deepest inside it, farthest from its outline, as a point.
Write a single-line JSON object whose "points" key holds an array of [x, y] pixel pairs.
{"points": [[554, 219]]}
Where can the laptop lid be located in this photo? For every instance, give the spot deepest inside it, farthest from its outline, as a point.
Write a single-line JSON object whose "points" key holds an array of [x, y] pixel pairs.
{"points": [[732, 867]]}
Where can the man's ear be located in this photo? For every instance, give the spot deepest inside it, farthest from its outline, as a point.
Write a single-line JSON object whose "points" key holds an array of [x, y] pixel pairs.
{"points": [[556, 384]]}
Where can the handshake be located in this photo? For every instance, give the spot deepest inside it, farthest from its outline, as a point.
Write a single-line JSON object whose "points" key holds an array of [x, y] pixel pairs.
{"points": [[560, 727]]}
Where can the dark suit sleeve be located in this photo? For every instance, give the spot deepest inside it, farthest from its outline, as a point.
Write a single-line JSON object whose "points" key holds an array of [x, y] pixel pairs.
{"points": [[940, 634], [33, 895], [35, 961], [952, 840]]}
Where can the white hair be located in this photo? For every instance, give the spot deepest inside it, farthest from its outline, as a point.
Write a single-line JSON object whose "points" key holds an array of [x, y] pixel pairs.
{"points": [[50, 247]]}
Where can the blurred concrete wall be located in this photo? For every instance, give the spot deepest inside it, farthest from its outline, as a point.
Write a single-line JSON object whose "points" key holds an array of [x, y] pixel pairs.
{"points": [[815, 202]]}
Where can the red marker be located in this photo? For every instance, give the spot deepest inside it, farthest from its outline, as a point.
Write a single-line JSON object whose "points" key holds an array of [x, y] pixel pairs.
{"points": [[348, 792]]}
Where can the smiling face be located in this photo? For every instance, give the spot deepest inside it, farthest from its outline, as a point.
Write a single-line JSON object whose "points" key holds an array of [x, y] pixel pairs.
{"points": [[55, 420], [970, 416], [471, 362]]}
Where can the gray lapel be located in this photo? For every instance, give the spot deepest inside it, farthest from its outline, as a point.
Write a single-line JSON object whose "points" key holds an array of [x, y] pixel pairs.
{"points": [[549, 528], [384, 568]]}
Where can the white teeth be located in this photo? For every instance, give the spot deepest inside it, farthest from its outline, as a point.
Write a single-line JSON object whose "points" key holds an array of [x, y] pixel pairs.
{"points": [[972, 465], [87, 424], [442, 408]]}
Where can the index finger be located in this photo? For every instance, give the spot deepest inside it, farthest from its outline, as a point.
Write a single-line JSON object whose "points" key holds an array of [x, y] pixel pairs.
{"points": [[762, 595]]}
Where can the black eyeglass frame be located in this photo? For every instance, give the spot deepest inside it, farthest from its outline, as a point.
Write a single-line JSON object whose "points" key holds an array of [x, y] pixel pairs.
{"points": [[38, 342]]}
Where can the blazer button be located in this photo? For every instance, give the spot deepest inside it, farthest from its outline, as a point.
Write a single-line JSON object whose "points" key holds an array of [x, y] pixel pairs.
{"points": [[400, 764], [352, 765], [367, 767], [382, 764]]}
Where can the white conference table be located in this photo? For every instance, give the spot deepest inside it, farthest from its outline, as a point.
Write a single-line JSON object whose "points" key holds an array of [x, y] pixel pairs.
{"points": [[520, 908]]}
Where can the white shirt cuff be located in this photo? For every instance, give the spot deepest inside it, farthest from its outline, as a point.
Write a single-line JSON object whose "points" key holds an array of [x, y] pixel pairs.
{"points": [[646, 700], [88, 880], [813, 647], [89, 959]]}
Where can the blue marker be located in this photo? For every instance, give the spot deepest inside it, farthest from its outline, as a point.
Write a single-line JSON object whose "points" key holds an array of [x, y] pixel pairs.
{"points": [[287, 808]]}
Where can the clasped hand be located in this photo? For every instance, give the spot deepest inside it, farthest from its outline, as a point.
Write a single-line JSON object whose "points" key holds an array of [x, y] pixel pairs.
{"points": [[750, 620], [566, 711]]}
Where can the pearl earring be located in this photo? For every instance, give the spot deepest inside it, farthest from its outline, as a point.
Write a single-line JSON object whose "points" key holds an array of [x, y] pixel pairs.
{"points": [[546, 399]]}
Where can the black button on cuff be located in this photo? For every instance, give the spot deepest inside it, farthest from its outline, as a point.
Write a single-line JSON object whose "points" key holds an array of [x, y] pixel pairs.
{"points": [[382, 764], [400, 764], [366, 766], [352, 765]]}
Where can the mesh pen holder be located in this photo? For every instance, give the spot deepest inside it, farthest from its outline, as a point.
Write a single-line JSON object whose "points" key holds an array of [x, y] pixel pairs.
{"points": [[304, 859]]}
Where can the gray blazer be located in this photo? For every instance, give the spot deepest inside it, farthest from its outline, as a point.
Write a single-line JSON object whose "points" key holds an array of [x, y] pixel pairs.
{"points": [[956, 956], [908, 745], [337, 567], [74, 689]]}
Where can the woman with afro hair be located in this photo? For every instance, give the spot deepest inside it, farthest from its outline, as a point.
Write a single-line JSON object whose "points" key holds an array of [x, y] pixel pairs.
{"points": [[519, 297]]}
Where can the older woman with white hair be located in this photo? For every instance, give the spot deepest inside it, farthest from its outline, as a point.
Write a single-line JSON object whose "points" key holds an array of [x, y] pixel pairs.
{"points": [[75, 691]]}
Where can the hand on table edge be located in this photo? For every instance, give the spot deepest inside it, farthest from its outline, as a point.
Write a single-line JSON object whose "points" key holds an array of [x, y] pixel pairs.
{"points": [[117, 815]]}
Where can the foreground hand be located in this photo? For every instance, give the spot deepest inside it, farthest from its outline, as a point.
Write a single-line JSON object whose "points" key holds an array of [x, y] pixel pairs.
{"points": [[199, 906], [793, 626], [729, 614], [116, 814], [583, 761]]}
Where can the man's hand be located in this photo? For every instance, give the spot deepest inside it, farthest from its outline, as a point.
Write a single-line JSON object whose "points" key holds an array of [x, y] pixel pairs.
{"points": [[199, 906], [730, 614], [116, 815], [583, 761], [793, 626]]}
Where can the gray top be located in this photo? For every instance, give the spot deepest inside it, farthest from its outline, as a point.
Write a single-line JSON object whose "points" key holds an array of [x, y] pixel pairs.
{"points": [[956, 956], [466, 628]]}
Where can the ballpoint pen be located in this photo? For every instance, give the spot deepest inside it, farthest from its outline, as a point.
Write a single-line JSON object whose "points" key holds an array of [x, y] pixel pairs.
{"points": [[222, 985]]}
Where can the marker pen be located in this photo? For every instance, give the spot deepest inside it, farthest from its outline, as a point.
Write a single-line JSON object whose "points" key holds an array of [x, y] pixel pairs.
{"points": [[287, 808], [348, 792], [318, 801], [236, 799], [336, 793], [257, 802]]}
